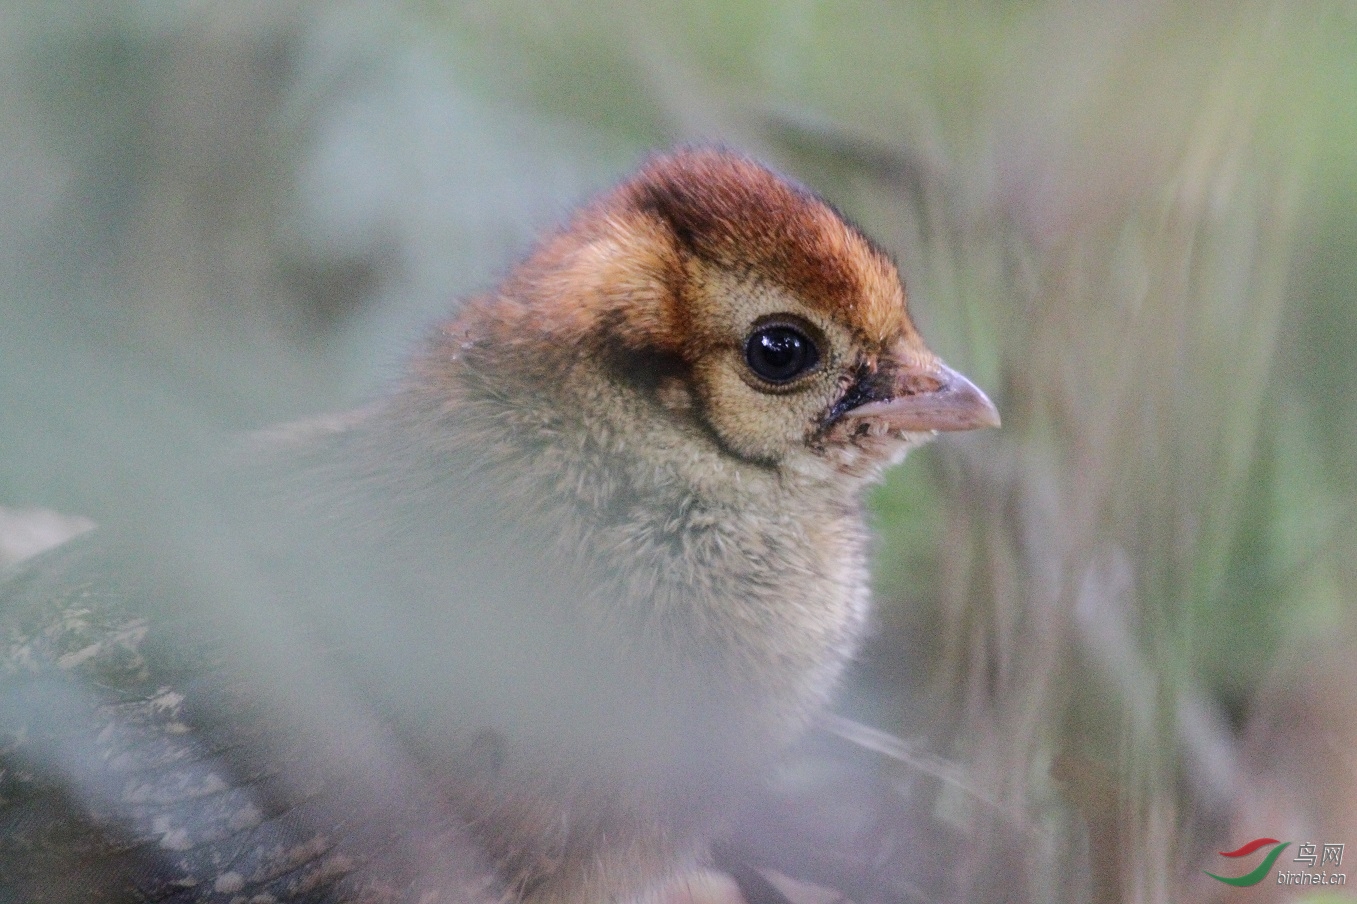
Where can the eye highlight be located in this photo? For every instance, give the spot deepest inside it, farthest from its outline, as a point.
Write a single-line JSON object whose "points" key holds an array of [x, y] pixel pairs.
{"points": [[779, 353]]}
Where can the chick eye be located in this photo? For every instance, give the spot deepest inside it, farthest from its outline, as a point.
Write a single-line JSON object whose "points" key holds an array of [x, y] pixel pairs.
{"points": [[779, 353]]}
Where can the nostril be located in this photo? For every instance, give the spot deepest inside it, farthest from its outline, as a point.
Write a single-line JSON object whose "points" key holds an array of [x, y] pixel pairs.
{"points": [[919, 384]]}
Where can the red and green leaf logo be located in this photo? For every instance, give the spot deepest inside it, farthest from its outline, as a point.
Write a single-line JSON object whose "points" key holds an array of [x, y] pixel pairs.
{"points": [[1260, 871]]}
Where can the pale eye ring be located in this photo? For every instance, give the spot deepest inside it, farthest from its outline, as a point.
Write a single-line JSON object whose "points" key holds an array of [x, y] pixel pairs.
{"points": [[778, 353]]}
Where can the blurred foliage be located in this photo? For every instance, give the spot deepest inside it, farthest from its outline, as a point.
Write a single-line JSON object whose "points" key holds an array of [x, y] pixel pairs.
{"points": [[1136, 223]]}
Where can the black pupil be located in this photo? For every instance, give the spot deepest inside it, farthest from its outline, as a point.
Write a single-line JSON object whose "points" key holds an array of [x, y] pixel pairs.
{"points": [[780, 353]]}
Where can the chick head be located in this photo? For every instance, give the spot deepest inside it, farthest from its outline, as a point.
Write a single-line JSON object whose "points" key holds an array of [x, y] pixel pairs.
{"points": [[745, 301]]}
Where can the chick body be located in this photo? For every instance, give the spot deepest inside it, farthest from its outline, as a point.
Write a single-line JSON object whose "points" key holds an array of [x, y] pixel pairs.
{"points": [[579, 578]]}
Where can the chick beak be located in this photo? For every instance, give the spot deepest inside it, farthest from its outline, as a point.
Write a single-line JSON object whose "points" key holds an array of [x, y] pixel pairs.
{"points": [[919, 398]]}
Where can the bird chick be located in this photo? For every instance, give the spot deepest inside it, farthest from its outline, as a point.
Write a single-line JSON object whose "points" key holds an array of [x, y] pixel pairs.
{"points": [[578, 579]]}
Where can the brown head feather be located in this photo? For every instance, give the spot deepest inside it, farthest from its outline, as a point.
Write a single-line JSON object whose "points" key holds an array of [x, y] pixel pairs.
{"points": [[626, 251], [736, 213]]}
